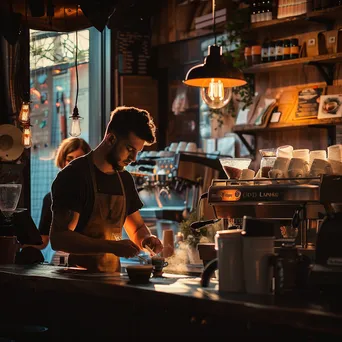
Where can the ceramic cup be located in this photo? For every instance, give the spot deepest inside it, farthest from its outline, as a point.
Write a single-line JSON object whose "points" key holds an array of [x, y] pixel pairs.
{"points": [[317, 154], [335, 152], [302, 154], [158, 263], [298, 168], [284, 151], [320, 167], [280, 168]]}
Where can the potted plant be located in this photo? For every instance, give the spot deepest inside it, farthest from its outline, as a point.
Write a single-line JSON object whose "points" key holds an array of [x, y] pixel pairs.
{"points": [[203, 237]]}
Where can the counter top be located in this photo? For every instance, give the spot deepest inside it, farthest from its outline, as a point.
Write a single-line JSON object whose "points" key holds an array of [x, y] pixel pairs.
{"points": [[174, 291]]}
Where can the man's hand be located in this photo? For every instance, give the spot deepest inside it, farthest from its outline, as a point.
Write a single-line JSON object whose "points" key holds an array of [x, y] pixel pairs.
{"points": [[125, 248], [153, 242]]}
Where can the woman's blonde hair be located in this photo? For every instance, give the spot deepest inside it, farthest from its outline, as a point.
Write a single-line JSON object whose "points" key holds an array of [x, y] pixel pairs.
{"points": [[67, 146]]}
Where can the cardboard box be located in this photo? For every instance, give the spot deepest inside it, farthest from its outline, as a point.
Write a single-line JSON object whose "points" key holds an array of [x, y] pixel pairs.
{"points": [[313, 43], [333, 41]]}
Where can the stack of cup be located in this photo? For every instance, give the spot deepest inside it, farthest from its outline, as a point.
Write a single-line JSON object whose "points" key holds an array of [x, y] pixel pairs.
{"points": [[299, 164], [282, 162], [335, 158], [168, 243]]}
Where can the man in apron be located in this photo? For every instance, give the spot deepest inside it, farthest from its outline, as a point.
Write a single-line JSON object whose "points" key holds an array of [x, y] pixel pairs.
{"points": [[94, 197]]}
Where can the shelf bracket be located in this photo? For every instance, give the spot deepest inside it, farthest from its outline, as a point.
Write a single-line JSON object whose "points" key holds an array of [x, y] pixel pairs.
{"points": [[251, 149], [326, 70]]}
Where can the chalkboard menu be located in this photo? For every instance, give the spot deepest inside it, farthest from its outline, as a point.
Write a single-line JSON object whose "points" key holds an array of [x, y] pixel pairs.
{"points": [[133, 52]]}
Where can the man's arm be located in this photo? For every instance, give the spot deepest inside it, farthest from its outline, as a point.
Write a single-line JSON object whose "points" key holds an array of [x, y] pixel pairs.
{"points": [[64, 238], [45, 239], [139, 233]]}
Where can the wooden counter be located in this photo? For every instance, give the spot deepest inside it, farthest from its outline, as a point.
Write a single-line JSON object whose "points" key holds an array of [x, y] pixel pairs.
{"points": [[72, 302]]}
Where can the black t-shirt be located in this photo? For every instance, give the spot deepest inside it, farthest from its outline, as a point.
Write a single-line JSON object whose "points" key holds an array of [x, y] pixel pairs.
{"points": [[46, 215], [73, 189]]}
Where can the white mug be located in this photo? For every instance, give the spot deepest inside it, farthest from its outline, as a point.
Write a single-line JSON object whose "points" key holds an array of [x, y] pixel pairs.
{"points": [[280, 168], [298, 168]]}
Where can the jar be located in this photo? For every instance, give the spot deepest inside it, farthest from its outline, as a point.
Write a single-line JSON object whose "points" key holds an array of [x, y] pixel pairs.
{"points": [[248, 56], [271, 52], [256, 54], [294, 48], [286, 49], [266, 165], [264, 52], [279, 50]]}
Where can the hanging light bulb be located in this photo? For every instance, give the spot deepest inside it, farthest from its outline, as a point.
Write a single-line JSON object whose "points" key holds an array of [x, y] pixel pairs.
{"points": [[216, 95], [27, 136], [24, 115], [217, 75], [75, 123]]}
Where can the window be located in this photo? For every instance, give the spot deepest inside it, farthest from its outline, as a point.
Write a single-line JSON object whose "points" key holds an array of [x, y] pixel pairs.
{"points": [[53, 90]]}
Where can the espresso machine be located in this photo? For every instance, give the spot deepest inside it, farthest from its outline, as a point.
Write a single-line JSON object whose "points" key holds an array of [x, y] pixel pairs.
{"points": [[308, 214], [170, 186]]}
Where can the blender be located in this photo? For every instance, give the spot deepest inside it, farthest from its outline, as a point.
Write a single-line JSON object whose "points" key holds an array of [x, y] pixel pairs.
{"points": [[9, 198]]}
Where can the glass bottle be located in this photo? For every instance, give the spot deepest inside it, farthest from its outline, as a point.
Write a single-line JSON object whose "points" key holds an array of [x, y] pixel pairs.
{"points": [[279, 50], [264, 52], [286, 49], [269, 15], [271, 52], [294, 48], [253, 12]]}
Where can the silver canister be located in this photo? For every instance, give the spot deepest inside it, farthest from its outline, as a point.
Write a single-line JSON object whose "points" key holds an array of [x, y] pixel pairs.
{"points": [[230, 260]]}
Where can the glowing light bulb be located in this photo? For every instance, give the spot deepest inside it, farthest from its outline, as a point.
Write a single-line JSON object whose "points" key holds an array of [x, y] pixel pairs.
{"points": [[27, 137], [216, 95], [75, 126], [24, 115]]}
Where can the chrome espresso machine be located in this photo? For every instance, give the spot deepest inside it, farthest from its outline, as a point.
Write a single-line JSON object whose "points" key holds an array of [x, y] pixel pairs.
{"points": [[170, 186], [307, 213]]}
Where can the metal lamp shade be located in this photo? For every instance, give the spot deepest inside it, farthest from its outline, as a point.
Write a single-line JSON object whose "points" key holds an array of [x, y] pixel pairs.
{"points": [[215, 67]]}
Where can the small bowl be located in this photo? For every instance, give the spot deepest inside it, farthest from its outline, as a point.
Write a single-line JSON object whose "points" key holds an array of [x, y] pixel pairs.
{"points": [[139, 274]]}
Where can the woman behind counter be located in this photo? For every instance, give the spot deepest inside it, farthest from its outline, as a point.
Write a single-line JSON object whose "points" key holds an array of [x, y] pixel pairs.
{"points": [[69, 149]]}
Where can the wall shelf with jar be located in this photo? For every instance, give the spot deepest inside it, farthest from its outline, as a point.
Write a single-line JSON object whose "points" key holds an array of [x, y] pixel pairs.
{"points": [[326, 16], [282, 64]]}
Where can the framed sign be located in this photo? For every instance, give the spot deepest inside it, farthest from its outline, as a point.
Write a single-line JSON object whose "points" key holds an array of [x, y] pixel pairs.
{"points": [[308, 102], [330, 106]]}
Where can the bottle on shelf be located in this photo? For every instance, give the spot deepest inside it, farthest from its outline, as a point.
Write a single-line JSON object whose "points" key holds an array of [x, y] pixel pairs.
{"points": [[258, 12], [271, 52], [269, 9], [294, 48], [253, 11], [286, 49], [264, 52], [279, 50], [263, 11]]}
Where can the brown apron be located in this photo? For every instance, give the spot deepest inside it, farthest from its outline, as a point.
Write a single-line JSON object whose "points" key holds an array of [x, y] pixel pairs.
{"points": [[106, 222]]}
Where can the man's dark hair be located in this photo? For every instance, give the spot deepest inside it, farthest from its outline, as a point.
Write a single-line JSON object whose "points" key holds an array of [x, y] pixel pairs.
{"points": [[125, 120]]}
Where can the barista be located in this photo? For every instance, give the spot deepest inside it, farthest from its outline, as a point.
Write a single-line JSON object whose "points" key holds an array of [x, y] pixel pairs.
{"points": [[94, 197]]}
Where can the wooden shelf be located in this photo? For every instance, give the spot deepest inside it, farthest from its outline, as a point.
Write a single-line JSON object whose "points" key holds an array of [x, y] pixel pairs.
{"points": [[271, 66], [323, 16], [291, 124]]}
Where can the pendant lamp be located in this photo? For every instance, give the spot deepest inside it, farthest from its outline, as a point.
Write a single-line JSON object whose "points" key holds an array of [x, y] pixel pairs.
{"points": [[216, 76], [75, 118]]}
